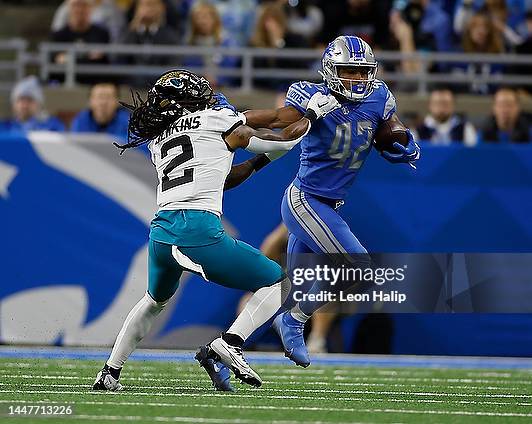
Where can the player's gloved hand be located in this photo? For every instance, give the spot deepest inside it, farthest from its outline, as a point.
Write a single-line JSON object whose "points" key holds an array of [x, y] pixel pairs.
{"points": [[320, 105], [406, 154]]}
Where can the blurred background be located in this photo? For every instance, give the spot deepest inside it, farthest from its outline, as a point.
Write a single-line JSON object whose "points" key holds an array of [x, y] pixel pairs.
{"points": [[74, 215]]}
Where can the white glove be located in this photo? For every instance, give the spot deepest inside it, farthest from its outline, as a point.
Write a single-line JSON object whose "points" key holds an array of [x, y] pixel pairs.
{"points": [[321, 104]]}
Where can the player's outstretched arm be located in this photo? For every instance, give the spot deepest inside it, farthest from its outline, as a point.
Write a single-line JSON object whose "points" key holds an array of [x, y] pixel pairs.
{"points": [[270, 144], [262, 141], [272, 118], [267, 141]]}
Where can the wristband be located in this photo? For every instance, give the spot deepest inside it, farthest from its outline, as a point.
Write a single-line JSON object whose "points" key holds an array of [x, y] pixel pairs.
{"points": [[311, 115]]}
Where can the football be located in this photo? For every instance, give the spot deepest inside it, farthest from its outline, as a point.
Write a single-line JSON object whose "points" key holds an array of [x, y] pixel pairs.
{"points": [[388, 133]]}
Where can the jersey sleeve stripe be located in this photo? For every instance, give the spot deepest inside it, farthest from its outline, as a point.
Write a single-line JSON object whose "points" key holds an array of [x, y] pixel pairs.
{"points": [[389, 107], [290, 102], [228, 132], [300, 91]]}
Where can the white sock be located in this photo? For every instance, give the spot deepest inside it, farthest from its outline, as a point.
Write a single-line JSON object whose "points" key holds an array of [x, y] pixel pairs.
{"points": [[135, 327], [263, 305], [298, 314]]}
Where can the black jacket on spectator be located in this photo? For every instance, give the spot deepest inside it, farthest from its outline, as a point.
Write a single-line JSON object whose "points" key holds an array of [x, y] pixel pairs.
{"points": [[520, 134], [163, 35], [457, 135], [524, 48], [95, 34], [370, 22]]}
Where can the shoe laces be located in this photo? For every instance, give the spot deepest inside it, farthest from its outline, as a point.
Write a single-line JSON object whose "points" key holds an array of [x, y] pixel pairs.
{"points": [[239, 351]]}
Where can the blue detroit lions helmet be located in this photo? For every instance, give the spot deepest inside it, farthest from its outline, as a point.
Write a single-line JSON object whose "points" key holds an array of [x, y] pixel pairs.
{"points": [[348, 51]]}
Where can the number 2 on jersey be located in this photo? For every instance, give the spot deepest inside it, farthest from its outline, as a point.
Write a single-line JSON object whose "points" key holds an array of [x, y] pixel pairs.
{"points": [[187, 154]]}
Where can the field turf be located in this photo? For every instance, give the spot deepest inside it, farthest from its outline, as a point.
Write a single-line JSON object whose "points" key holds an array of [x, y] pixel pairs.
{"points": [[181, 392]]}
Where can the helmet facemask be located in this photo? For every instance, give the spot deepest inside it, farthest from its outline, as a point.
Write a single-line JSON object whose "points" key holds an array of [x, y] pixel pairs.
{"points": [[351, 89]]}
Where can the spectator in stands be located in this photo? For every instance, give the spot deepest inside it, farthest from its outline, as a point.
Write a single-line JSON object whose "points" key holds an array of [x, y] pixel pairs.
{"points": [[27, 102], [525, 48], [80, 29], [508, 17], [442, 126], [481, 36], [103, 114], [403, 38], [304, 19], [105, 13], [238, 18], [206, 31], [175, 15], [148, 27], [271, 32], [364, 18], [431, 25], [508, 124]]}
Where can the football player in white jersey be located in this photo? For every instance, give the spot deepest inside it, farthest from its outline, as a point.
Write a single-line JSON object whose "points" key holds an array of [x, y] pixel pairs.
{"points": [[192, 135]]}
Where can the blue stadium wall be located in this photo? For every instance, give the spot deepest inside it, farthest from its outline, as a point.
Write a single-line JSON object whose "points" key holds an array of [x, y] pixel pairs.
{"points": [[74, 219]]}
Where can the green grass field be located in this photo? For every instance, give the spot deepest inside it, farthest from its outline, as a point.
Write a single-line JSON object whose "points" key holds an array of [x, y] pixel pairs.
{"points": [[181, 392]]}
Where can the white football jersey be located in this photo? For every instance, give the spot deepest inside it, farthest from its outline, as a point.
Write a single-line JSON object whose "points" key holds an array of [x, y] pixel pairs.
{"points": [[192, 160]]}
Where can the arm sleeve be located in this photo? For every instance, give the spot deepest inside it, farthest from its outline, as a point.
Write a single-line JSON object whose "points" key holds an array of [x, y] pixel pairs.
{"points": [[261, 145]]}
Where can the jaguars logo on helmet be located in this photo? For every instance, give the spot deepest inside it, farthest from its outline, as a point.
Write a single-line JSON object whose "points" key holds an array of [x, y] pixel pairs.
{"points": [[349, 51], [174, 94]]}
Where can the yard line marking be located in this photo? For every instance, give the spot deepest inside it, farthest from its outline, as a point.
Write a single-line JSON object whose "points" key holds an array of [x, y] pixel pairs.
{"points": [[195, 380], [135, 365], [295, 380], [245, 421], [304, 390], [199, 420], [262, 395], [476, 413], [162, 404]]}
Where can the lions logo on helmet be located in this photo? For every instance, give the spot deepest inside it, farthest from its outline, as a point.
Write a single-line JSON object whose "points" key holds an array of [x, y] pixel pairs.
{"points": [[349, 51]]}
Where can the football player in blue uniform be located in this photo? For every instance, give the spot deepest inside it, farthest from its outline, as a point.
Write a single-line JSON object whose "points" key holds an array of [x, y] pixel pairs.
{"points": [[332, 153]]}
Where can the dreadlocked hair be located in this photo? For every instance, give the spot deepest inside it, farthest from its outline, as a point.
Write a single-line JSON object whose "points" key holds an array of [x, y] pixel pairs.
{"points": [[147, 121]]}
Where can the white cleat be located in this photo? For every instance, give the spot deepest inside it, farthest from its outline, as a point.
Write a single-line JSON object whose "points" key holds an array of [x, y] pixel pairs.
{"points": [[233, 357], [105, 381]]}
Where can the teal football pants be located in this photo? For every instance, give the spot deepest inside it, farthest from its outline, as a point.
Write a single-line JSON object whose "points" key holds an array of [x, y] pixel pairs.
{"points": [[228, 262]]}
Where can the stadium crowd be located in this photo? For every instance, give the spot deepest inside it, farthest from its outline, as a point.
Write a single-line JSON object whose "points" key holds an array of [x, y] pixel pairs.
{"points": [[470, 26]]}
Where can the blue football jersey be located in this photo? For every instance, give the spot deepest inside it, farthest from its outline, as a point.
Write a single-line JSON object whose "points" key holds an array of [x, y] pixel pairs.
{"points": [[337, 145]]}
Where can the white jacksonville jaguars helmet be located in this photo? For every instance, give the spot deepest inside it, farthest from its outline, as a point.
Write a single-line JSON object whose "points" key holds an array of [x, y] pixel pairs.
{"points": [[348, 51]]}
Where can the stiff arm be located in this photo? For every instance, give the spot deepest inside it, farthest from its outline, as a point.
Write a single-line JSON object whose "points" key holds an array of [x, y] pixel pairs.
{"points": [[272, 118], [269, 144]]}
